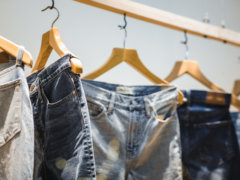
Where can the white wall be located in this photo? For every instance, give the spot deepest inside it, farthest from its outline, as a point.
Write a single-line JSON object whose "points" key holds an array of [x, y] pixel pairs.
{"points": [[91, 34]]}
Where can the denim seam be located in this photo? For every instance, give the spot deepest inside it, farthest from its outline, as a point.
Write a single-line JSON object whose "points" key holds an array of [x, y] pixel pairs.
{"points": [[160, 93], [111, 103], [87, 141], [52, 76], [213, 124], [5, 71], [10, 84]]}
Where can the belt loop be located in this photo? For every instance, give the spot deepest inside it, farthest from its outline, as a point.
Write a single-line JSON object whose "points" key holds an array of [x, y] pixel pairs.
{"points": [[148, 107], [111, 104], [19, 57], [39, 89]]}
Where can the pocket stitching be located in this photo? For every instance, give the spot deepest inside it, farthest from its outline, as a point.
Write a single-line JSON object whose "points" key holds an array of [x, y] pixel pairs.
{"points": [[61, 101], [103, 109], [15, 131], [10, 84]]}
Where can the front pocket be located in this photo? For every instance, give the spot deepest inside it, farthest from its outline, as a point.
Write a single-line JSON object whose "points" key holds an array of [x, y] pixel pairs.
{"points": [[63, 100], [59, 90], [96, 109], [64, 127], [164, 111], [10, 111]]}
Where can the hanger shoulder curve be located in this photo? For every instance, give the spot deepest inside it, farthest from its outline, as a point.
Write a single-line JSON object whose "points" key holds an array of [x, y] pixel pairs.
{"points": [[178, 70], [131, 57], [57, 44], [192, 68], [198, 75], [12, 49], [52, 40], [44, 53], [115, 58]]}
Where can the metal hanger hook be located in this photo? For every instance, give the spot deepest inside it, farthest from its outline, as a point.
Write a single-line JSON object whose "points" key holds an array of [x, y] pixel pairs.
{"points": [[185, 42], [53, 7], [125, 29]]}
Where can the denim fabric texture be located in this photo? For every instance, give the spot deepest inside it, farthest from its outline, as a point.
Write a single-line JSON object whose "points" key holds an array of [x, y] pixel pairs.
{"points": [[63, 141], [209, 145], [236, 122], [16, 122], [135, 131]]}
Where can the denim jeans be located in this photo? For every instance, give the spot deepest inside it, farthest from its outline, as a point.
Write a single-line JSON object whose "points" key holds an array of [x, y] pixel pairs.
{"points": [[209, 145], [63, 146], [135, 131], [16, 123]]}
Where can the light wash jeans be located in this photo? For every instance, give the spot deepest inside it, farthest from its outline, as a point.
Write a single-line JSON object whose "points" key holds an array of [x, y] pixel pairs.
{"points": [[135, 131], [16, 123]]}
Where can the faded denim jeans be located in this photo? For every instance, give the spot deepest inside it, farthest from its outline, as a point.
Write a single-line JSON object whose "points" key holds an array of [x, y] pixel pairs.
{"points": [[63, 141], [135, 131], [209, 145], [16, 122]]}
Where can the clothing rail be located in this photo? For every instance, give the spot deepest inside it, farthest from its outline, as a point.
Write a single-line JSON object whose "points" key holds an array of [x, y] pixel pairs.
{"points": [[166, 19]]}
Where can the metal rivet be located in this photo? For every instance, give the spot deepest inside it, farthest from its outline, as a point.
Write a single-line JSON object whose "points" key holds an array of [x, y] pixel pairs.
{"points": [[74, 92], [32, 87]]}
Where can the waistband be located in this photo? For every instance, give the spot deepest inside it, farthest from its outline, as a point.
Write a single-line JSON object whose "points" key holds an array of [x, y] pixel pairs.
{"points": [[10, 71], [130, 97], [47, 74], [207, 97]]}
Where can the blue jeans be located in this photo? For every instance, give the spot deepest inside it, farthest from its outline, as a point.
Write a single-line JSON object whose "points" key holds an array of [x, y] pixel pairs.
{"points": [[63, 141], [16, 123], [209, 145], [135, 131]]}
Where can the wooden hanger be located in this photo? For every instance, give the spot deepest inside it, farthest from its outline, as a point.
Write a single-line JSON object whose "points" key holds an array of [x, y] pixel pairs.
{"points": [[236, 92], [130, 56], [4, 57], [52, 40], [8, 47], [236, 87], [192, 68]]}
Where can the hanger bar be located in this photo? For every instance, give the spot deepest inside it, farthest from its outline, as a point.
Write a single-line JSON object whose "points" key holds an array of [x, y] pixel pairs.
{"points": [[166, 19]]}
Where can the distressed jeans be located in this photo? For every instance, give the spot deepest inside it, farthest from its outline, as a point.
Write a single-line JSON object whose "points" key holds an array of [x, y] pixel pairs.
{"points": [[135, 131], [16, 122], [209, 145]]}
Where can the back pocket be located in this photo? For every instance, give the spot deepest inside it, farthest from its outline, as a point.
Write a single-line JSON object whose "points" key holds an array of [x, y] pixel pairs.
{"points": [[211, 144], [10, 111]]}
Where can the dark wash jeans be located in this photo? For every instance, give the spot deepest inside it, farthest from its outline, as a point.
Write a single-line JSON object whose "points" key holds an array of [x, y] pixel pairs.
{"points": [[209, 144], [63, 141]]}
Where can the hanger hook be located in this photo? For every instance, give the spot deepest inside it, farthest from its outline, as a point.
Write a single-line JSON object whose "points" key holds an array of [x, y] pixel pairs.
{"points": [[125, 29], [53, 7], [185, 42]]}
